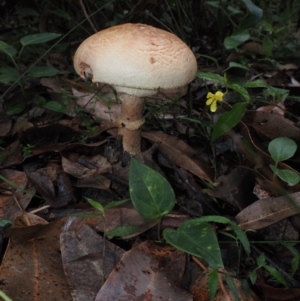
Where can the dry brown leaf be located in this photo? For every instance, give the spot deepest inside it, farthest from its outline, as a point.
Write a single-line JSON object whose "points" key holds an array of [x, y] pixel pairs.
{"points": [[5, 124], [42, 180], [253, 47], [268, 211], [32, 269], [12, 201], [146, 272], [235, 188], [279, 294], [84, 266], [12, 154], [97, 106], [277, 108], [181, 154], [85, 167], [272, 125]]}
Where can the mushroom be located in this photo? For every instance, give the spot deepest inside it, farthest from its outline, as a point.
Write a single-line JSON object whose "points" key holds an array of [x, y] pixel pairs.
{"points": [[138, 60]]}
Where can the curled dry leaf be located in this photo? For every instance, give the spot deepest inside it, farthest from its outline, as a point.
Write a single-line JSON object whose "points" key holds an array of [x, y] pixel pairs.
{"points": [[272, 125], [181, 154], [277, 108], [42, 180], [268, 211]]}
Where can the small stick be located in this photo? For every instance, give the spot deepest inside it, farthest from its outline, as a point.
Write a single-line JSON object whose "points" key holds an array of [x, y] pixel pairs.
{"points": [[87, 16]]}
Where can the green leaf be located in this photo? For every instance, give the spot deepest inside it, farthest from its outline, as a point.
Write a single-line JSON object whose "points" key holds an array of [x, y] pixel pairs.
{"points": [[115, 203], [16, 109], [268, 46], [236, 39], [276, 274], [228, 120], [39, 38], [39, 100], [241, 90], [282, 148], [252, 276], [261, 260], [276, 93], [197, 238], [242, 237], [42, 71], [211, 77], [123, 231], [8, 75], [150, 193], [255, 15], [258, 83], [236, 65], [4, 222], [238, 231], [232, 288], [295, 260], [55, 106], [7, 49], [4, 296], [286, 175], [61, 13], [96, 205], [213, 283]]}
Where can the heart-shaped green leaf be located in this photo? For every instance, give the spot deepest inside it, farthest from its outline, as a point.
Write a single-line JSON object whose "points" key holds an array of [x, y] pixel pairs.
{"points": [[282, 148], [196, 238], [151, 194]]}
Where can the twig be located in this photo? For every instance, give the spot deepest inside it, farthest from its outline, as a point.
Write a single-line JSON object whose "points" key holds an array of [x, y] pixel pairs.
{"points": [[87, 16]]}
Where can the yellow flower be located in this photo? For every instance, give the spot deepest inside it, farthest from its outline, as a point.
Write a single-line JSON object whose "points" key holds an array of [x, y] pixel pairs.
{"points": [[213, 99]]}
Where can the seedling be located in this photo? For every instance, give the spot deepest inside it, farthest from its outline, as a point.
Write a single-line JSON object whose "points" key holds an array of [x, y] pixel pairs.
{"points": [[282, 149]]}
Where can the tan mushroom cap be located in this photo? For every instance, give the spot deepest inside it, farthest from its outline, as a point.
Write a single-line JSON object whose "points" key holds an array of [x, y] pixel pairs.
{"points": [[136, 59]]}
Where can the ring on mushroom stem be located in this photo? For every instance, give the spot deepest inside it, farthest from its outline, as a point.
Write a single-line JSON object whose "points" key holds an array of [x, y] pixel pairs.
{"points": [[138, 60]]}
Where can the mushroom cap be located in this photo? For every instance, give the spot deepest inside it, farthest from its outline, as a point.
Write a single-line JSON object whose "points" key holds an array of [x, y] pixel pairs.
{"points": [[136, 59]]}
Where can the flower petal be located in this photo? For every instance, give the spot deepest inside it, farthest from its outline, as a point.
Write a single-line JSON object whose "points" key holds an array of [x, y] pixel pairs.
{"points": [[219, 96], [210, 95], [213, 106], [209, 101]]}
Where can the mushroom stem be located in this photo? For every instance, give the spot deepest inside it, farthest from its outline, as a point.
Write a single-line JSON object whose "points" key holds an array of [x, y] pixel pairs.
{"points": [[130, 121]]}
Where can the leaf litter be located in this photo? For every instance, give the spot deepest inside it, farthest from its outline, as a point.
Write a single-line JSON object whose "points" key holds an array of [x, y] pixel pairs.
{"points": [[51, 161]]}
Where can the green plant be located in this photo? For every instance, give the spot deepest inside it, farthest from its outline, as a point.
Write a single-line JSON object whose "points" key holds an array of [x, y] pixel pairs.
{"points": [[282, 149], [9, 74], [153, 197], [261, 264], [4, 296], [26, 150]]}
